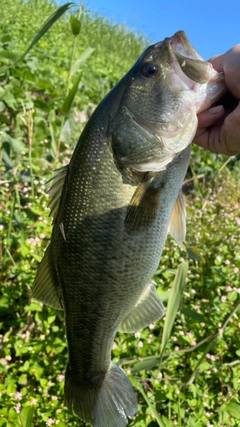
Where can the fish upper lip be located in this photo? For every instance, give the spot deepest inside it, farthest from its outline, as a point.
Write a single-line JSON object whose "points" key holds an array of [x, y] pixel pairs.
{"points": [[180, 43]]}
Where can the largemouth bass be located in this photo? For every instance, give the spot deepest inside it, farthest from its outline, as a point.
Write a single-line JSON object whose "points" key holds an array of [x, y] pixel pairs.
{"points": [[112, 207]]}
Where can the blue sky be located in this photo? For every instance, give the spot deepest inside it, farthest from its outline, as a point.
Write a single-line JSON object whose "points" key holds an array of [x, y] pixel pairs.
{"points": [[212, 26]]}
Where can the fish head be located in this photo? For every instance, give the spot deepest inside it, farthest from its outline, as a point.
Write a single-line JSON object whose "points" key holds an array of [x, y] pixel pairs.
{"points": [[164, 91]]}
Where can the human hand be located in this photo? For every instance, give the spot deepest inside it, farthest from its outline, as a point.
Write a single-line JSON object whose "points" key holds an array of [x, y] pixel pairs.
{"points": [[219, 127]]}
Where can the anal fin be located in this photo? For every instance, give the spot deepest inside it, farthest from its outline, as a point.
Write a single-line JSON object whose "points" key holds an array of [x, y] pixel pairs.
{"points": [[46, 286], [147, 309]]}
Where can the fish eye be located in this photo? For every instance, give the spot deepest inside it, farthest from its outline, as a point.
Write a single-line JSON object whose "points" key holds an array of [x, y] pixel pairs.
{"points": [[149, 69]]}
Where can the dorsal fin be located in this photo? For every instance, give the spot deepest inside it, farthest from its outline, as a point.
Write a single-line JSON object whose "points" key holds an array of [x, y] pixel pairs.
{"points": [[55, 190], [177, 225], [46, 287]]}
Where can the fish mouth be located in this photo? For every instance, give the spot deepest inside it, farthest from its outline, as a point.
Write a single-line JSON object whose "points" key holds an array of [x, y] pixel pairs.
{"points": [[187, 69], [180, 43]]}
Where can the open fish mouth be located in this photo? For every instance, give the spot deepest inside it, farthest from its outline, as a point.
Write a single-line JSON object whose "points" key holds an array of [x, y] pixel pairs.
{"points": [[186, 69]]}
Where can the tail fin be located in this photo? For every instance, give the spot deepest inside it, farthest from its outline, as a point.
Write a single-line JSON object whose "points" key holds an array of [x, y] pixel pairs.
{"points": [[108, 404]]}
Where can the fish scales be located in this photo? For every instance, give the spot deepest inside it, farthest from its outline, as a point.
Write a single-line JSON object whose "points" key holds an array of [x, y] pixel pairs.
{"points": [[112, 207], [104, 272]]}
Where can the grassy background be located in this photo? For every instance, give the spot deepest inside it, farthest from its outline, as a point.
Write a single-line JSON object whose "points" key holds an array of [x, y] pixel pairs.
{"points": [[197, 381]]}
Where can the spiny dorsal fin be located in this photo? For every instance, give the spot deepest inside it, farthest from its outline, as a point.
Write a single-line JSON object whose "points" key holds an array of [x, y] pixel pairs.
{"points": [[46, 286], [55, 190], [61, 226], [143, 206], [177, 226]]}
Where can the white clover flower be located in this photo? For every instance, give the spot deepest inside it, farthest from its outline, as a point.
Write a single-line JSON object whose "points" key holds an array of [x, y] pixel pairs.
{"points": [[18, 395], [18, 408], [50, 383], [137, 334], [189, 334]]}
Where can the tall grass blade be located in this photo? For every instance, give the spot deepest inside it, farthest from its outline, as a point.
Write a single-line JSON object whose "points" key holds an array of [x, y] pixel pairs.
{"points": [[173, 303], [67, 130], [152, 407], [168, 423], [144, 365], [53, 148], [194, 253], [197, 182], [229, 316], [196, 370], [82, 59], [67, 105], [46, 26], [150, 362]]}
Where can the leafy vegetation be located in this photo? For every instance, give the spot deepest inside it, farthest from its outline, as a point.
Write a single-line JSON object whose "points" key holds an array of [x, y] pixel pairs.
{"points": [[185, 376]]}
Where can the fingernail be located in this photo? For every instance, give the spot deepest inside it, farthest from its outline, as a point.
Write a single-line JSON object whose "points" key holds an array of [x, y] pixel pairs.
{"points": [[215, 110]]}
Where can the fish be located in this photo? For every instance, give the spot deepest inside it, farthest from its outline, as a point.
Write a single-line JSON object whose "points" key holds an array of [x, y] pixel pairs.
{"points": [[112, 208]]}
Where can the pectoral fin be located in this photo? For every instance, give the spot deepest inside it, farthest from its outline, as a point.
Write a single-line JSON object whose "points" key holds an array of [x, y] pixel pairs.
{"points": [[46, 285], [143, 207], [147, 309], [177, 226]]}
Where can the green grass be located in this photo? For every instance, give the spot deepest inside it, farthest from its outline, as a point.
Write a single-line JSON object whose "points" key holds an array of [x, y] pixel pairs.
{"points": [[195, 381]]}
